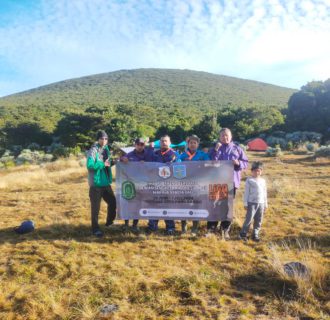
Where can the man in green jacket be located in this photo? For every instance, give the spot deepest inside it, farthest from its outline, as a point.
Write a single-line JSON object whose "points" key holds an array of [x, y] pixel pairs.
{"points": [[100, 179]]}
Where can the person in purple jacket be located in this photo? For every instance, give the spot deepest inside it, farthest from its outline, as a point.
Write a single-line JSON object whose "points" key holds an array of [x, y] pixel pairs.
{"points": [[140, 153], [226, 149], [164, 155]]}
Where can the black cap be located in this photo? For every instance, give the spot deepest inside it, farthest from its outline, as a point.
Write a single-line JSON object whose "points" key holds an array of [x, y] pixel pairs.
{"points": [[140, 140], [101, 134]]}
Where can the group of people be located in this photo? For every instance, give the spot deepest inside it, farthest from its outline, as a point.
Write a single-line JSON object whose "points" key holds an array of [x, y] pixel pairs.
{"points": [[100, 178]]}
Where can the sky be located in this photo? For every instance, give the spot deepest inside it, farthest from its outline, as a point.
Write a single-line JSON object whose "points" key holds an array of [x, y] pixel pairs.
{"points": [[286, 43]]}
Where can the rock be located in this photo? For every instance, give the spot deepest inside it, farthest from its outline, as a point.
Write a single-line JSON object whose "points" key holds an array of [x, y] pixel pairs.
{"points": [[302, 220], [296, 269], [107, 309]]}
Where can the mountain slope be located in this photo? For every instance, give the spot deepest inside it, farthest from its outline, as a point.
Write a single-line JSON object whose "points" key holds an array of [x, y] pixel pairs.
{"points": [[154, 87]]}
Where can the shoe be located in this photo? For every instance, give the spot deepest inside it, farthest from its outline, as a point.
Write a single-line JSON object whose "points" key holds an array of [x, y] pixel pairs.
{"points": [[194, 232], [170, 232], [98, 233], [243, 237], [184, 229], [135, 229], [226, 234], [109, 223], [256, 238]]}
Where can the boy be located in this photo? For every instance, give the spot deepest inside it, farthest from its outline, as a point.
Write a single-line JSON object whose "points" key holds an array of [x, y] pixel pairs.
{"points": [[255, 202]]}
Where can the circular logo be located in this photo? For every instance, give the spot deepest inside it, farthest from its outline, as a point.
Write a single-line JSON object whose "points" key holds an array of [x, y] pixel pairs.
{"points": [[128, 190]]}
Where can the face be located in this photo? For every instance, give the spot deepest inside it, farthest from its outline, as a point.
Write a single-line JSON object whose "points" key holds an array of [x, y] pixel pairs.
{"points": [[193, 145], [139, 147], [225, 137], [103, 141], [256, 172], [165, 142]]}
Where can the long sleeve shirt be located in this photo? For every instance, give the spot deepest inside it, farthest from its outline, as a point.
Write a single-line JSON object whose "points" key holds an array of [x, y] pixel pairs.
{"points": [[231, 151], [255, 191], [199, 155], [168, 155]]}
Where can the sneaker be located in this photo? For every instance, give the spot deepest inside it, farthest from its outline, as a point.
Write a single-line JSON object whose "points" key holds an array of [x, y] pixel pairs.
{"points": [[194, 232], [98, 233], [243, 237], [184, 229], [256, 238], [135, 229], [226, 234], [170, 232], [109, 223]]}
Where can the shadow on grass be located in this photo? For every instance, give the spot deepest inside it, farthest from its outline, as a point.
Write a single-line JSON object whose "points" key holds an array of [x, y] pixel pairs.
{"points": [[82, 233], [265, 284]]}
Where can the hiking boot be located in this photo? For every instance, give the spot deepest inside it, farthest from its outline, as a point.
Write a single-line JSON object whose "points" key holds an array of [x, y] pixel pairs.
{"points": [[98, 233], [243, 237]]}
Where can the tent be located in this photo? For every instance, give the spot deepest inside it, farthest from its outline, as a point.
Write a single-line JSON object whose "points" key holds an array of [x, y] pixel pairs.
{"points": [[257, 144], [181, 144]]}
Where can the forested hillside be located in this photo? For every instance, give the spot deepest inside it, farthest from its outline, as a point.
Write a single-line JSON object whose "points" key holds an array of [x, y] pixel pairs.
{"points": [[135, 102]]}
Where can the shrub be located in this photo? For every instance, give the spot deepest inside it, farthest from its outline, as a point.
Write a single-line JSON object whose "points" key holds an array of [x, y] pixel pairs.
{"points": [[323, 151], [274, 152]]}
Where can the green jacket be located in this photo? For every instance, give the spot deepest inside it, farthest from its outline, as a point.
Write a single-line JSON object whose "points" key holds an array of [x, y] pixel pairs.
{"points": [[98, 174]]}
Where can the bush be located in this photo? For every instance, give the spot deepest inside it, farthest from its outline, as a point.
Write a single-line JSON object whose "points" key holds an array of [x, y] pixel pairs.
{"points": [[274, 152], [33, 157], [311, 147], [323, 151]]}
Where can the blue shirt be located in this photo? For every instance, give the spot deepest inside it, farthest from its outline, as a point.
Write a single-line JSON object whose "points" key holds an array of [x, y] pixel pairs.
{"points": [[199, 155]]}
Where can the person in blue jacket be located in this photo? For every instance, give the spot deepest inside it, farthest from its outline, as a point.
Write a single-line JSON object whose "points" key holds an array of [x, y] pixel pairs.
{"points": [[139, 154], [192, 154], [164, 155]]}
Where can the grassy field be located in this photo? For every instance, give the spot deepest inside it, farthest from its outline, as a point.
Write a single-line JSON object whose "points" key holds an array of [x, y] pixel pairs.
{"points": [[61, 272]]}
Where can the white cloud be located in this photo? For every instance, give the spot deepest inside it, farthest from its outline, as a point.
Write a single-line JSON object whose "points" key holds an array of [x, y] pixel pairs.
{"points": [[282, 43]]}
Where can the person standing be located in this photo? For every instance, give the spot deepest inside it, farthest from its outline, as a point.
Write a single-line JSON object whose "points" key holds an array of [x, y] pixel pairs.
{"points": [[139, 154], [100, 179], [226, 149], [164, 155], [192, 154], [255, 202]]}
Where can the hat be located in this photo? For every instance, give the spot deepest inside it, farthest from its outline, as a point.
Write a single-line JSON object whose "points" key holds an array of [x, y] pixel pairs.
{"points": [[25, 227], [101, 134], [140, 140]]}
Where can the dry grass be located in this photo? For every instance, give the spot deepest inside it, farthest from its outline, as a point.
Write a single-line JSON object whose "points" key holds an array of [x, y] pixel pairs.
{"points": [[61, 272]]}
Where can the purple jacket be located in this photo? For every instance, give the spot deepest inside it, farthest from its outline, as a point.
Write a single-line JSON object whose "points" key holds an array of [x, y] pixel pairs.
{"points": [[168, 156], [231, 151], [146, 155]]}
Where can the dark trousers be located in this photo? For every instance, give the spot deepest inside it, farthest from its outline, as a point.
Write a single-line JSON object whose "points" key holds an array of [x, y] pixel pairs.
{"points": [[224, 225], [153, 225], [135, 222], [96, 194]]}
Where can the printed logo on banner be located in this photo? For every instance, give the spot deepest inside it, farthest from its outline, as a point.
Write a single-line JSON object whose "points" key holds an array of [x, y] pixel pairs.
{"points": [[164, 172], [128, 190], [179, 171]]}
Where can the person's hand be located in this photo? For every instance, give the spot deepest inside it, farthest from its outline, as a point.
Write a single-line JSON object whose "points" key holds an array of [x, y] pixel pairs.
{"points": [[236, 162], [217, 146], [107, 163], [151, 144], [124, 159]]}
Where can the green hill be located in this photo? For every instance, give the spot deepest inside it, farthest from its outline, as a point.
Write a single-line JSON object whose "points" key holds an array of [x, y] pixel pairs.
{"points": [[151, 87], [150, 96]]}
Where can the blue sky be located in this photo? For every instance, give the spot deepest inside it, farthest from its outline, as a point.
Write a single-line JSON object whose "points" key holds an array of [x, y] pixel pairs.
{"points": [[274, 41]]}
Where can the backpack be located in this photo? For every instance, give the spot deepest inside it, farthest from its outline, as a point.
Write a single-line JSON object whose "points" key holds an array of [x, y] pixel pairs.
{"points": [[25, 227]]}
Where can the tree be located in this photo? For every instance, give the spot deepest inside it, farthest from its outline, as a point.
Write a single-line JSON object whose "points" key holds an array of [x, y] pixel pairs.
{"points": [[207, 129]]}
